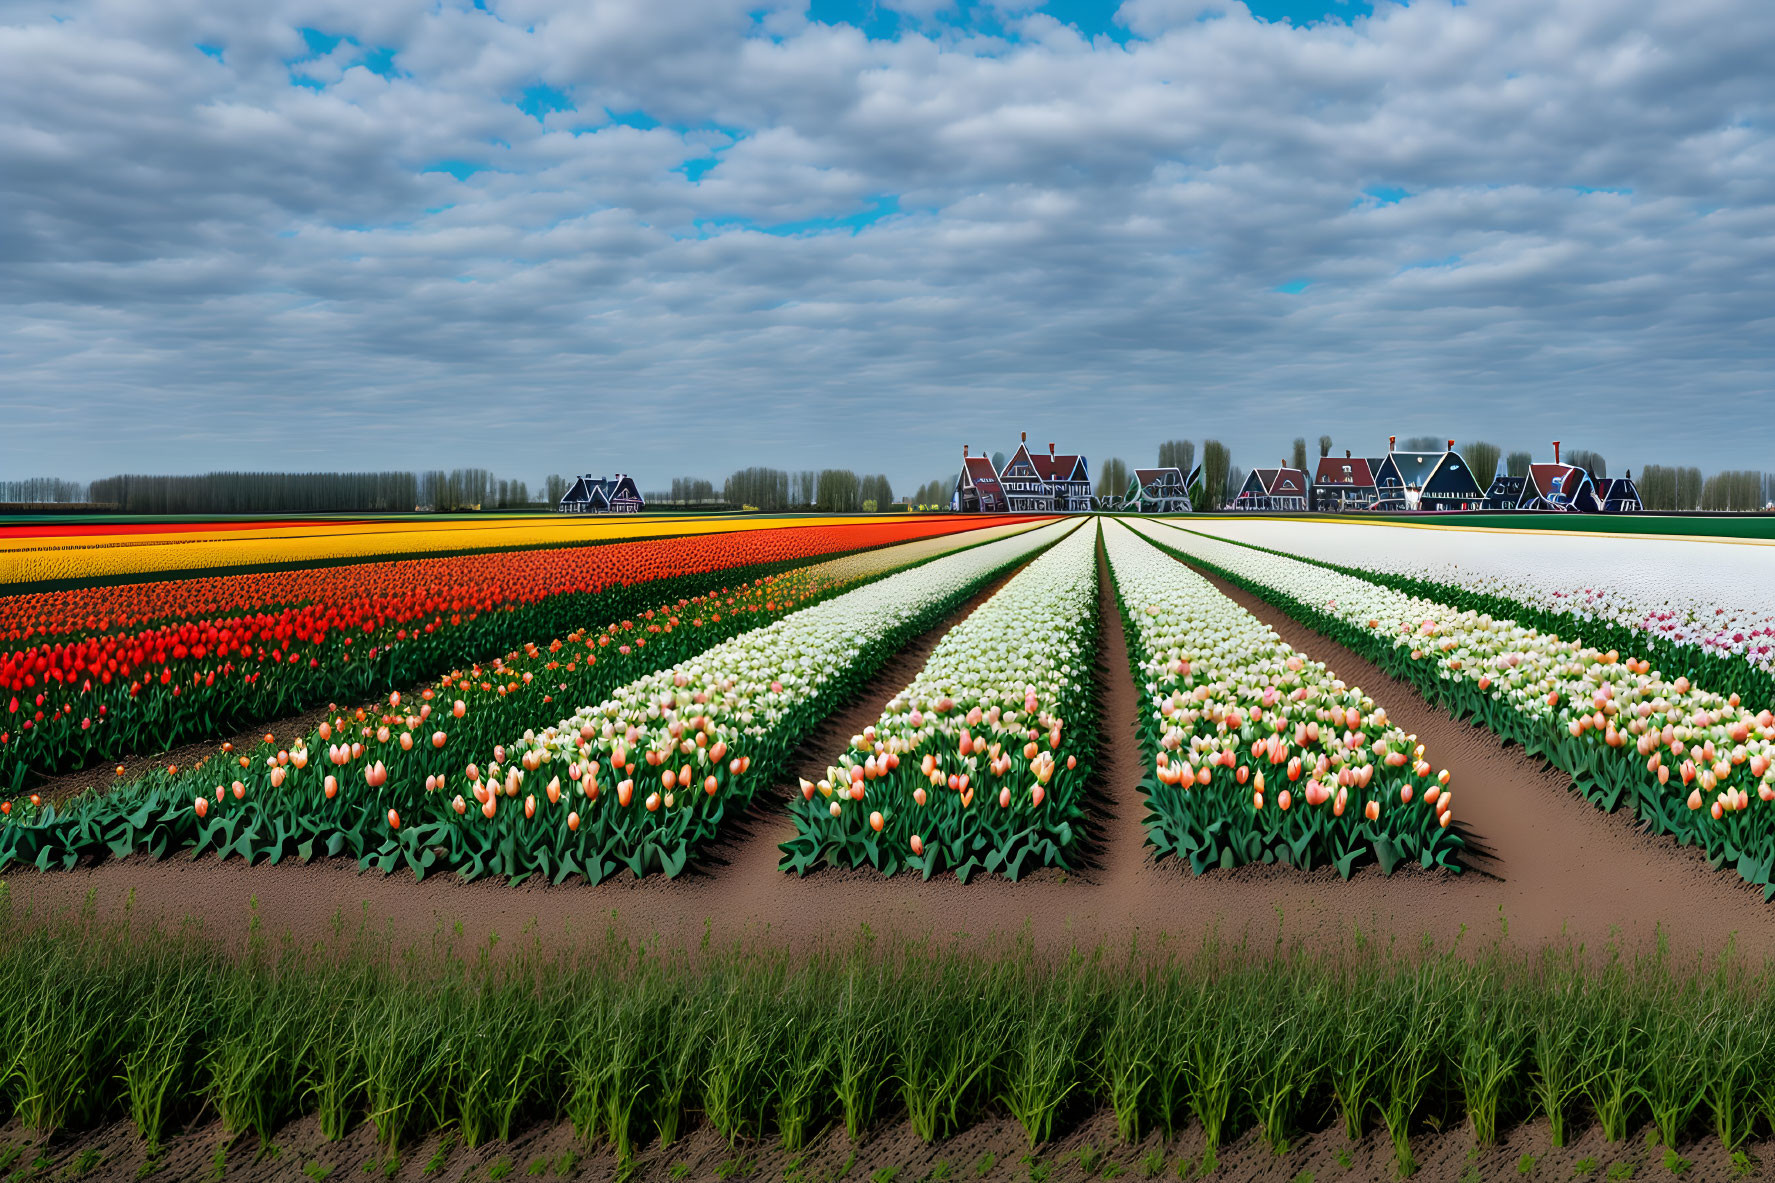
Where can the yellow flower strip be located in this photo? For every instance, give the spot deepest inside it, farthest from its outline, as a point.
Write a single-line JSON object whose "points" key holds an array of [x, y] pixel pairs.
{"points": [[47, 557]]}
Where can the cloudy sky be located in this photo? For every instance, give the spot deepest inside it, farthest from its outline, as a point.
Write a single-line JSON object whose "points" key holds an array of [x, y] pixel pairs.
{"points": [[682, 236]]}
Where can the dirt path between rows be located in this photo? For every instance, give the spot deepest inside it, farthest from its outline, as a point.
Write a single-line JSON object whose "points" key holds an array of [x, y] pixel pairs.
{"points": [[1559, 869], [991, 1150]]}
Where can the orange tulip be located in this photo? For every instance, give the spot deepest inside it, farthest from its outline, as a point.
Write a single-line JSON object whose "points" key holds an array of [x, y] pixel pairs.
{"points": [[394, 820]]}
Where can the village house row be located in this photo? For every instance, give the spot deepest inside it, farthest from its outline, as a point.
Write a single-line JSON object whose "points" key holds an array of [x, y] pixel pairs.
{"points": [[1402, 482]]}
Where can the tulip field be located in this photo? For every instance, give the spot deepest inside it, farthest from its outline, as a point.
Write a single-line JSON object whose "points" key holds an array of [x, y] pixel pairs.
{"points": [[945, 786], [92, 673], [1260, 753], [276, 801], [1702, 766], [995, 715]]}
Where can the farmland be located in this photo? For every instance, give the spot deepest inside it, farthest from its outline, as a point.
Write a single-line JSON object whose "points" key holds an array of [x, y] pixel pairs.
{"points": [[894, 842]]}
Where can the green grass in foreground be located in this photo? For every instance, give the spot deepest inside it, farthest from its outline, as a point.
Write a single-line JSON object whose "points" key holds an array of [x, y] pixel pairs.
{"points": [[626, 1043]]}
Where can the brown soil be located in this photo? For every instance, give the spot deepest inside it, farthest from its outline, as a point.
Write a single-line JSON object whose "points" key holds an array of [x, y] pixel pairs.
{"points": [[1558, 869], [992, 1150]]}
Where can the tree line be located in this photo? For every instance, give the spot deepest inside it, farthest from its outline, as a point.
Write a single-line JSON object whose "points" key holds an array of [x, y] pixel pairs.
{"points": [[832, 490], [258, 492]]}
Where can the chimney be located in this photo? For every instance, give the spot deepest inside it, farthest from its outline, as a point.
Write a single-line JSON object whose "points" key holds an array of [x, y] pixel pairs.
{"points": [[1390, 441], [1026, 437], [1050, 449], [1451, 445], [1346, 453], [1556, 451], [964, 451]]}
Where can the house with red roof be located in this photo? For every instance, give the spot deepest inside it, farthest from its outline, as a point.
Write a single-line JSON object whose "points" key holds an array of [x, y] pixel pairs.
{"points": [[1558, 488], [977, 489], [1343, 483], [1036, 482], [1273, 490]]}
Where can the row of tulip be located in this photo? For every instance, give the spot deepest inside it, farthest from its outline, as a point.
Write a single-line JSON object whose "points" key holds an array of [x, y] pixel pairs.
{"points": [[1693, 763], [645, 778], [1258, 753], [268, 803], [980, 763], [144, 667], [1639, 594], [56, 554]]}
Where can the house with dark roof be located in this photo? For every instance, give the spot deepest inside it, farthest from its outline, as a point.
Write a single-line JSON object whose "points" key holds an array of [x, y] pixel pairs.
{"points": [[1273, 490], [1034, 482], [977, 489], [1407, 482], [1505, 490], [1343, 483], [1157, 490], [1619, 494], [596, 494]]}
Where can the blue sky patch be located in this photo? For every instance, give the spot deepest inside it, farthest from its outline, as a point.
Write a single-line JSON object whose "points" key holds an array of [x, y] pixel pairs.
{"points": [[379, 61], [636, 119], [1387, 194], [878, 208], [539, 100], [1092, 18], [695, 168], [319, 43], [1308, 12], [462, 170], [214, 51], [1294, 287]]}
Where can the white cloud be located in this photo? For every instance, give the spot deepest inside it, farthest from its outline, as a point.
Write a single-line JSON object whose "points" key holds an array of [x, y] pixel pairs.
{"points": [[207, 265]]}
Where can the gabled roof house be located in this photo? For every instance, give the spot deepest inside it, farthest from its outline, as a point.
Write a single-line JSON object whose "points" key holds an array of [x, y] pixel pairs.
{"points": [[1619, 494], [1435, 481], [1505, 490], [1157, 490], [977, 489], [1275, 490], [1343, 483], [1558, 488], [596, 494], [1034, 482]]}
